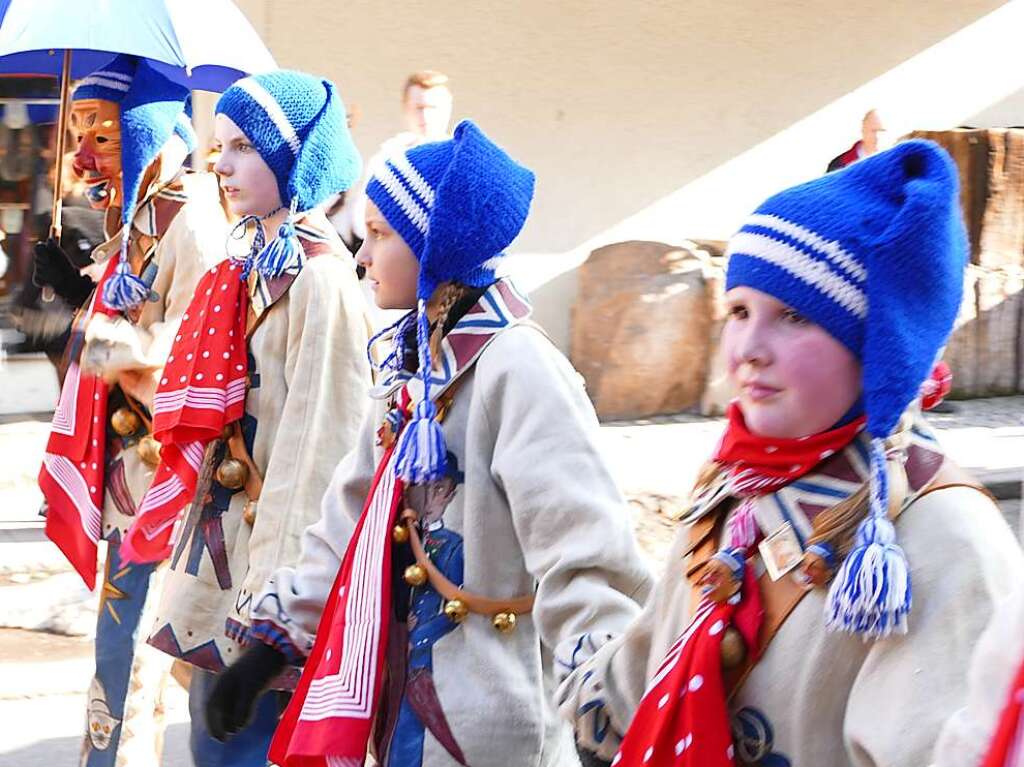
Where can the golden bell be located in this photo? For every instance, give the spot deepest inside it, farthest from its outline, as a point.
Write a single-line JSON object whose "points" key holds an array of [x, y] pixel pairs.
{"points": [[400, 534], [249, 513], [733, 649], [124, 421], [505, 622], [232, 473], [415, 575], [149, 450], [456, 610]]}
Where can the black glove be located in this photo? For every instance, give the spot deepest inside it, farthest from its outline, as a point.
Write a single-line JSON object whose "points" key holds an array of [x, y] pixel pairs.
{"points": [[234, 694], [51, 267]]}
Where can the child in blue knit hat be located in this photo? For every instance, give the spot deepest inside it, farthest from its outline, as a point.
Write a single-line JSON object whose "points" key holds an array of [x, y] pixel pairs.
{"points": [[163, 227], [263, 394], [473, 548], [835, 569]]}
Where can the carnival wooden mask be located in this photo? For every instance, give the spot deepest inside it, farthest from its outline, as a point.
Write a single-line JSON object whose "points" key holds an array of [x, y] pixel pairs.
{"points": [[95, 126]]}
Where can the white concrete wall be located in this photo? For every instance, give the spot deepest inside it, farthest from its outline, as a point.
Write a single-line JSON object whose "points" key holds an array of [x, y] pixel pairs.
{"points": [[659, 120]]}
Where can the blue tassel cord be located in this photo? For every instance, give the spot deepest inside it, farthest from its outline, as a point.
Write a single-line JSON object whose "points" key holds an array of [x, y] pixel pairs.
{"points": [[422, 453], [871, 594], [284, 252], [124, 290]]}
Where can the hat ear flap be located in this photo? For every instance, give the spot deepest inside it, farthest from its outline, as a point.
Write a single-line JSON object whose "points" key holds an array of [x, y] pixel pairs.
{"points": [[328, 161]]}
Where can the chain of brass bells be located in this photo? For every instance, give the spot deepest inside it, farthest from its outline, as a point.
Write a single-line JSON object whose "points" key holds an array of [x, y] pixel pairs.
{"points": [[455, 609], [125, 421], [149, 450], [232, 473]]}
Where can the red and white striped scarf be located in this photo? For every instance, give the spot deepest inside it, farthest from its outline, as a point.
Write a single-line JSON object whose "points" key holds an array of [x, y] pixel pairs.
{"points": [[72, 475], [202, 390], [329, 721]]}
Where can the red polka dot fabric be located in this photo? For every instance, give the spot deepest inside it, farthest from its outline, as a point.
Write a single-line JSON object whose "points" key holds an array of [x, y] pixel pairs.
{"points": [[759, 465], [683, 720], [201, 391]]}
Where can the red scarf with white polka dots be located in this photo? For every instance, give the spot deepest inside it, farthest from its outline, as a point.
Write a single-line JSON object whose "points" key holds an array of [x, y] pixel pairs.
{"points": [[759, 465], [683, 720], [202, 390]]}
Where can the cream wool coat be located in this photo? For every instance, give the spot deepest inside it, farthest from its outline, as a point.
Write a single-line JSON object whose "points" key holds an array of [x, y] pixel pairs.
{"points": [[966, 737], [536, 510], [309, 376], [191, 244], [815, 698]]}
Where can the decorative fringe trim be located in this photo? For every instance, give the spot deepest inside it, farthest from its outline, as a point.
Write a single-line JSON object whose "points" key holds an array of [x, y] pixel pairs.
{"points": [[124, 291], [422, 453], [871, 594]]}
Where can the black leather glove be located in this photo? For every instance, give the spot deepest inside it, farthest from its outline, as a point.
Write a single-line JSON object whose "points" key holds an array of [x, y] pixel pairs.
{"points": [[52, 267], [233, 698]]}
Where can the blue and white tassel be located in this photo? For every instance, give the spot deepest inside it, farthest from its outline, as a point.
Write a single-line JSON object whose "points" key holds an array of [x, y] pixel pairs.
{"points": [[284, 253], [422, 454], [124, 290], [871, 594]]}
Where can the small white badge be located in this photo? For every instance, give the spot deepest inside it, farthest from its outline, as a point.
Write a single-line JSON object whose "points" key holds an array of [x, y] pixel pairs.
{"points": [[781, 551]]}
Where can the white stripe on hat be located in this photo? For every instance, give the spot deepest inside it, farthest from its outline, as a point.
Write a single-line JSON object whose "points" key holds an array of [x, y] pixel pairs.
{"points": [[116, 75], [412, 209], [262, 97], [830, 249], [817, 274], [412, 176], [96, 79]]}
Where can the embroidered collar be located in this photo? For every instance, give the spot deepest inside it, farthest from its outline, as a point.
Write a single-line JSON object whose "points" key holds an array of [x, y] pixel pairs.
{"points": [[834, 480], [500, 307]]}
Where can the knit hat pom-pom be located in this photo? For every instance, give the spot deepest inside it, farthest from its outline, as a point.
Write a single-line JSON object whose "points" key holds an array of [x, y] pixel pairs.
{"points": [[123, 290], [871, 595], [422, 453]]}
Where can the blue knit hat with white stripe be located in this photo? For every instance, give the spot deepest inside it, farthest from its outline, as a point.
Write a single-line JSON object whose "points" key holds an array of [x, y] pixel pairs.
{"points": [[875, 254], [298, 126], [457, 204], [153, 109]]}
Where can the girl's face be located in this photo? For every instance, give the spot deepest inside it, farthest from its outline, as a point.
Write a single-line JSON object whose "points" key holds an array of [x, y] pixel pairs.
{"points": [[248, 183], [792, 378], [391, 267]]}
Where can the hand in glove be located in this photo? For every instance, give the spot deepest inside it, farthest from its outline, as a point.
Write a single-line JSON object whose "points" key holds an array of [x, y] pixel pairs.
{"points": [[233, 698], [51, 267]]}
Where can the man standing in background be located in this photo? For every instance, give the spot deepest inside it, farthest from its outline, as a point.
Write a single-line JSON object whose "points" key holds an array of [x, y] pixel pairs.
{"points": [[871, 130], [427, 115]]}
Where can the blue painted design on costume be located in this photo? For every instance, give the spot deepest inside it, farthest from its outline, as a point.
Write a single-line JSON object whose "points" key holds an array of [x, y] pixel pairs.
{"points": [[428, 623], [207, 533], [123, 597], [754, 740], [602, 722]]}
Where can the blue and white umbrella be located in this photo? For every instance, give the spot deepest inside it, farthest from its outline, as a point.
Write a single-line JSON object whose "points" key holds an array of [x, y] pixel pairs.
{"points": [[202, 44]]}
